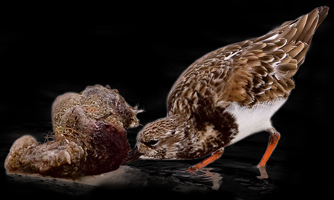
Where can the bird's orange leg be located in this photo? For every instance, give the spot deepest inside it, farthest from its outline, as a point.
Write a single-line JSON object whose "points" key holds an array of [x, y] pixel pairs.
{"points": [[215, 155], [273, 140]]}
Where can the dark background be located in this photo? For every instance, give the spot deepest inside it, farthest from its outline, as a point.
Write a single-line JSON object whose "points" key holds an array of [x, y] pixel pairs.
{"points": [[141, 50]]}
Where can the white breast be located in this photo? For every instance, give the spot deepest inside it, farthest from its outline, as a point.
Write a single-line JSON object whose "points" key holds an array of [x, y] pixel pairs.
{"points": [[252, 120]]}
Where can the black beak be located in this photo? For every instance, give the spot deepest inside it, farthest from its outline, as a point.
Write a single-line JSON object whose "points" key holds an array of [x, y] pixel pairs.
{"points": [[133, 155]]}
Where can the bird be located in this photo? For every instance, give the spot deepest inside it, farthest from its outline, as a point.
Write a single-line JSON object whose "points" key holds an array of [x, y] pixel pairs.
{"points": [[230, 94]]}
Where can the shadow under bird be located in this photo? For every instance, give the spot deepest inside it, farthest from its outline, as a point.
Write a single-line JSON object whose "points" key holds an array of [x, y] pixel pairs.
{"points": [[229, 94]]}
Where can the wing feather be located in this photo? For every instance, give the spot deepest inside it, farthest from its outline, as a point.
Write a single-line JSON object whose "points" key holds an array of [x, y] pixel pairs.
{"points": [[250, 71]]}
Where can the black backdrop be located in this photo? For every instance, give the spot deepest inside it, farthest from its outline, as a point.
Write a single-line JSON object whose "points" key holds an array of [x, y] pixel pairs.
{"points": [[141, 50]]}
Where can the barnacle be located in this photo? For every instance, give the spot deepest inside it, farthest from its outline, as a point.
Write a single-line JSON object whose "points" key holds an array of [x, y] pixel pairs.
{"points": [[89, 136]]}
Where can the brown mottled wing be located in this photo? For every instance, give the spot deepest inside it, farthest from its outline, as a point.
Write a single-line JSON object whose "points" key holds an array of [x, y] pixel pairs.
{"points": [[247, 72], [266, 65]]}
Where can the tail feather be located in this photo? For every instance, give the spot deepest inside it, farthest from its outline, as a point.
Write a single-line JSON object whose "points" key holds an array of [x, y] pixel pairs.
{"points": [[303, 28], [298, 35], [323, 12]]}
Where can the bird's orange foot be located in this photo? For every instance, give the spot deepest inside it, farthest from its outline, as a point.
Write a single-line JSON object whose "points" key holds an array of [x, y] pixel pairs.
{"points": [[216, 155]]}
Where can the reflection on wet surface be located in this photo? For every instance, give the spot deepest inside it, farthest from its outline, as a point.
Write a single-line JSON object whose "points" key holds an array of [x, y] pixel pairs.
{"points": [[173, 180], [238, 179], [163, 176], [263, 173]]}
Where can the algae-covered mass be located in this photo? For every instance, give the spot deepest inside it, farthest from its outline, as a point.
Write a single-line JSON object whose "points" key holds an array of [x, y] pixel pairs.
{"points": [[89, 136]]}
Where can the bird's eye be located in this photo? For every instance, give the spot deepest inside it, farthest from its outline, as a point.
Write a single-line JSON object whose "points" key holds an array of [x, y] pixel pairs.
{"points": [[153, 142]]}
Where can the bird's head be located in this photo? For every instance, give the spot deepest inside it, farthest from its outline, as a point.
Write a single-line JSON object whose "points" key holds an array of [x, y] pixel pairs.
{"points": [[175, 137], [165, 138]]}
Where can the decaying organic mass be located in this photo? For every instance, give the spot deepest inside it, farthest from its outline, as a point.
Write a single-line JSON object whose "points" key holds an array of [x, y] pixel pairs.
{"points": [[89, 136]]}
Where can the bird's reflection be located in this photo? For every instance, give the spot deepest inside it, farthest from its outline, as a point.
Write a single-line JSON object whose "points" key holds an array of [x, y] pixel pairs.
{"points": [[164, 177], [263, 173], [214, 177], [128, 176], [165, 174]]}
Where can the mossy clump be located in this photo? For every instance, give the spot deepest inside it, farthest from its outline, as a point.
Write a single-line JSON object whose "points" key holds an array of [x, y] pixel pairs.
{"points": [[89, 136]]}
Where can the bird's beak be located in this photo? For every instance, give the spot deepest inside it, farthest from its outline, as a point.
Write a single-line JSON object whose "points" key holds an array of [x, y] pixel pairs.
{"points": [[133, 155]]}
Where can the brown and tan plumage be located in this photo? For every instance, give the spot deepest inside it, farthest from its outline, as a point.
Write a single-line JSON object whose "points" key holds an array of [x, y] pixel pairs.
{"points": [[230, 93], [254, 70]]}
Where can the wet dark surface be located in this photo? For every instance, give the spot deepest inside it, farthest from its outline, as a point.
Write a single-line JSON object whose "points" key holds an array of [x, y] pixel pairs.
{"points": [[142, 58]]}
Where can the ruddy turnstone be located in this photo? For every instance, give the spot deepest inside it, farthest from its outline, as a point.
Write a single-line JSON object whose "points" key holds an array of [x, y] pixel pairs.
{"points": [[229, 94]]}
